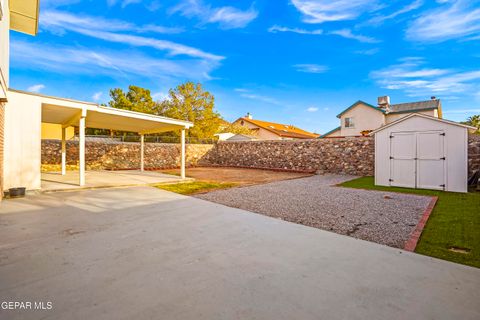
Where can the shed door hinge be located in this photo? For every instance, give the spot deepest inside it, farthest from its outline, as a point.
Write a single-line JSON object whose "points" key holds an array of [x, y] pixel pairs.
{"points": [[391, 180], [442, 185], [391, 137], [442, 134], [391, 158], [443, 158]]}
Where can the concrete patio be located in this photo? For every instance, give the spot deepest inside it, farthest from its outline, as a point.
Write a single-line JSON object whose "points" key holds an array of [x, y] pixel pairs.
{"points": [[144, 253], [55, 181]]}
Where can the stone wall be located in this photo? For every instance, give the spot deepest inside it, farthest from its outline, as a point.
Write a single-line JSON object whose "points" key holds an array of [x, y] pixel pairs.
{"points": [[336, 155], [473, 153], [123, 155]]}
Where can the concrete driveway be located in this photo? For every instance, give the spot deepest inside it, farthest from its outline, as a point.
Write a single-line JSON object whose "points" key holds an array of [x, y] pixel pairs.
{"points": [[144, 253]]}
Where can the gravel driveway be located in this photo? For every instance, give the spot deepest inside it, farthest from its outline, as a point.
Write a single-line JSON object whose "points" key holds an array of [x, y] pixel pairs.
{"points": [[383, 217]]}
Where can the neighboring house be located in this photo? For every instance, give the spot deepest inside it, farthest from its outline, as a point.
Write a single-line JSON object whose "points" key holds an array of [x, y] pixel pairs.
{"points": [[361, 117], [22, 16], [228, 136], [264, 130]]}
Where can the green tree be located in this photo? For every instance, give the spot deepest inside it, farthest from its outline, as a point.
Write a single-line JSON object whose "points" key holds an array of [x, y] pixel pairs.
{"points": [[474, 121], [136, 99], [189, 101]]}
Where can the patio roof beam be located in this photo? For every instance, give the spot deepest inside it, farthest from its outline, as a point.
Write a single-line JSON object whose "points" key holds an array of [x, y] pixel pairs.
{"points": [[160, 130], [73, 121]]}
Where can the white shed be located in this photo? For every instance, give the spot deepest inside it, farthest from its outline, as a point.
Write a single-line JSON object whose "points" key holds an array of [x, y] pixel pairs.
{"points": [[419, 151]]}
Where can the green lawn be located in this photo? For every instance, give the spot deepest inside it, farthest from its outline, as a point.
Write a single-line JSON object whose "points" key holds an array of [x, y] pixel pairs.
{"points": [[195, 187], [453, 229]]}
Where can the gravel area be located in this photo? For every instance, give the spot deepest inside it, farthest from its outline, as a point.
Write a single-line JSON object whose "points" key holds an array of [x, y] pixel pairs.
{"points": [[383, 217]]}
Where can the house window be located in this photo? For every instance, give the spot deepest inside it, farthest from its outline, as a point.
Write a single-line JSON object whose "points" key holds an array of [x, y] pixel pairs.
{"points": [[349, 123]]}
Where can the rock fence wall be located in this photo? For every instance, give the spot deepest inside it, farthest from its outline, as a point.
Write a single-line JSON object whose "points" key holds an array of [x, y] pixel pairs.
{"points": [[473, 153], [124, 155], [353, 156], [337, 155]]}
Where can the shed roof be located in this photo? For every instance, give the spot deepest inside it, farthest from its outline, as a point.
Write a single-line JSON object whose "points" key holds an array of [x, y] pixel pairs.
{"points": [[470, 128]]}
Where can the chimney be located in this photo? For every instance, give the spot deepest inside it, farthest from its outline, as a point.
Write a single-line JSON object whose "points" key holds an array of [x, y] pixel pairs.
{"points": [[249, 116], [384, 102], [433, 98]]}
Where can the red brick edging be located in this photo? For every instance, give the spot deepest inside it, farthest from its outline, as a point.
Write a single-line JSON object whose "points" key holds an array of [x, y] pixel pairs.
{"points": [[411, 243]]}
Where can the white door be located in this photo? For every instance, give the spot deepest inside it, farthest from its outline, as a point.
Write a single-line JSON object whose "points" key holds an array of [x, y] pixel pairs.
{"points": [[417, 160], [402, 159], [431, 160]]}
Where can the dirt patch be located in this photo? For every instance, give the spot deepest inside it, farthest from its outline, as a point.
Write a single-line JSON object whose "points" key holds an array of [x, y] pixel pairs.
{"points": [[239, 176]]}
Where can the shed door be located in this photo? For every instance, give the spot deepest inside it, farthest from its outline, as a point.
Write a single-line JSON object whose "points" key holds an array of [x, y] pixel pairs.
{"points": [[402, 159], [431, 160]]}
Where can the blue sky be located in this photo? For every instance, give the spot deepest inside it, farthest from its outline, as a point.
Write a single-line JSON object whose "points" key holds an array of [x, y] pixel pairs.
{"points": [[299, 62]]}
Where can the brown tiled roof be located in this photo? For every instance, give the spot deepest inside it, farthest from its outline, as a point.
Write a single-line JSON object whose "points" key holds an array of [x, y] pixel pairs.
{"points": [[283, 130]]}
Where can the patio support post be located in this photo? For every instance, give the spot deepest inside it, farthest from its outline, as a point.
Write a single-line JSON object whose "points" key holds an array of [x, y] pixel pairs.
{"points": [[81, 149], [142, 152], [64, 151], [182, 165]]}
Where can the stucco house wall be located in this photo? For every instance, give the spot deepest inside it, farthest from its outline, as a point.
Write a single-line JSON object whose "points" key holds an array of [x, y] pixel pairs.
{"points": [[389, 118], [364, 118], [4, 76], [22, 148]]}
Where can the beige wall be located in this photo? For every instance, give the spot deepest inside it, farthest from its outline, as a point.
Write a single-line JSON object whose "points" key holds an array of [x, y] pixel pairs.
{"points": [[22, 146], [364, 118], [393, 117], [4, 76], [54, 131], [4, 50]]}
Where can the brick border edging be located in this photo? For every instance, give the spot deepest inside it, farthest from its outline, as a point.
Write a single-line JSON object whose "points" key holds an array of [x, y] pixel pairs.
{"points": [[411, 243], [312, 171]]}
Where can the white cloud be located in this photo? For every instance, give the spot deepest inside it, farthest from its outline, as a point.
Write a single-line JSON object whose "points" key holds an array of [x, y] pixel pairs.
{"points": [[347, 33], [97, 96], [115, 63], [312, 109], [310, 68], [106, 30], [275, 29], [413, 78], [455, 20], [227, 17], [253, 96], [319, 11], [59, 21], [410, 7], [461, 111], [36, 88]]}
